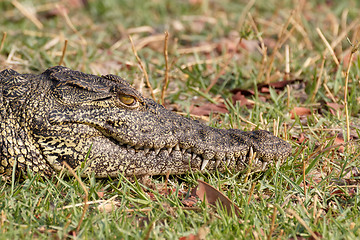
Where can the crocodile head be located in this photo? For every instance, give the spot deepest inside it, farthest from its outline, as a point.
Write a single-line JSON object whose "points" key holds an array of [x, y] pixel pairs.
{"points": [[66, 115]]}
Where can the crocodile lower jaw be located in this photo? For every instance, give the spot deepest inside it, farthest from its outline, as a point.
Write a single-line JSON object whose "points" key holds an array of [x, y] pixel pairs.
{"points": [[249, 159]]}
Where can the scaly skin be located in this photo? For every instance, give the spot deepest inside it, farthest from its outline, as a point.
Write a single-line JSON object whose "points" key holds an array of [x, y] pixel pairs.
{"points": [[62, 114]]}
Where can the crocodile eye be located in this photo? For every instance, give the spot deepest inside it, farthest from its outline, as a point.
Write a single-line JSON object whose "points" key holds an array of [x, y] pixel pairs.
{"points": [[127, 100]]}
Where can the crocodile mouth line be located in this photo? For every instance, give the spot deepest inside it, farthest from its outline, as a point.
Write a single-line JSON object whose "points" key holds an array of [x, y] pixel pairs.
{"points": [[247, 159]]}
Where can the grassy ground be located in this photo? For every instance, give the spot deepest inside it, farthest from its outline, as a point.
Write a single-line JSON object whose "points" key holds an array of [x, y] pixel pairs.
{"points": [[291, 74]]}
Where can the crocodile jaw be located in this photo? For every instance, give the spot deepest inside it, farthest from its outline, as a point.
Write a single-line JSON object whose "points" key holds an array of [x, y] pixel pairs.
{"points": [[155, 149], [109, 158]]}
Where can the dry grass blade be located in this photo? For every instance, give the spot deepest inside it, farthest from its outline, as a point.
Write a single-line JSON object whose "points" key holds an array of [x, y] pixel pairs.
{"points": [[246, 10], [86, 205], [354, 49], [276, 127], [166, 80], [148, 230], [3, 40], [287, 61], [89, 203], [251, 192], [285, 132], [28, 14], [344, 33], [318, 82], [273, 217], [142, 68], [304, 177], [2, 220], [69, 23], [143, 42], [63, 53], [302, 222], [251, 159], [328, 46], [296, 21], [263, 48]]}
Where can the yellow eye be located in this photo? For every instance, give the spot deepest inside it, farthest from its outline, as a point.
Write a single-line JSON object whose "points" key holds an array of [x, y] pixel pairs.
{"points": [[127, 100]]}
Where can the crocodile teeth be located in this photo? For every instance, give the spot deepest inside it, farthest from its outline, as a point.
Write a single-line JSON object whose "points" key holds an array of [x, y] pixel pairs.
{"points": [[157, 150], [170, 149], [146, 150], [177, 147], [229, 160], [194, 156], [255, 160], [217, 163], [251, 153], [204, 164], [241, 159], [264, 165]]}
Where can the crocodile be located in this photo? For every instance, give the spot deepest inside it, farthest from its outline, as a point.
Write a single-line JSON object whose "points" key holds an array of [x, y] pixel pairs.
{"points": [[106, 127]]}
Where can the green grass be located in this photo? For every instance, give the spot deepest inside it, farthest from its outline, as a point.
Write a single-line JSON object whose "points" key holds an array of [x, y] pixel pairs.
{"points": [[326, 206]]}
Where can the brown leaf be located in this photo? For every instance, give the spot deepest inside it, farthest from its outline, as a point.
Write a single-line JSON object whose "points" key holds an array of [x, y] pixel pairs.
{"points": [[300, 111], [195, 2], [189, 237], [339, 140], [264, 90], [283, 84], [334, 107], [65, 6], [319, 236], [211, 195], [279, 85], [190, 201], [301, 138], [207, 108], [151, 196], [243, 92], [201, 235], [238, 96]]}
